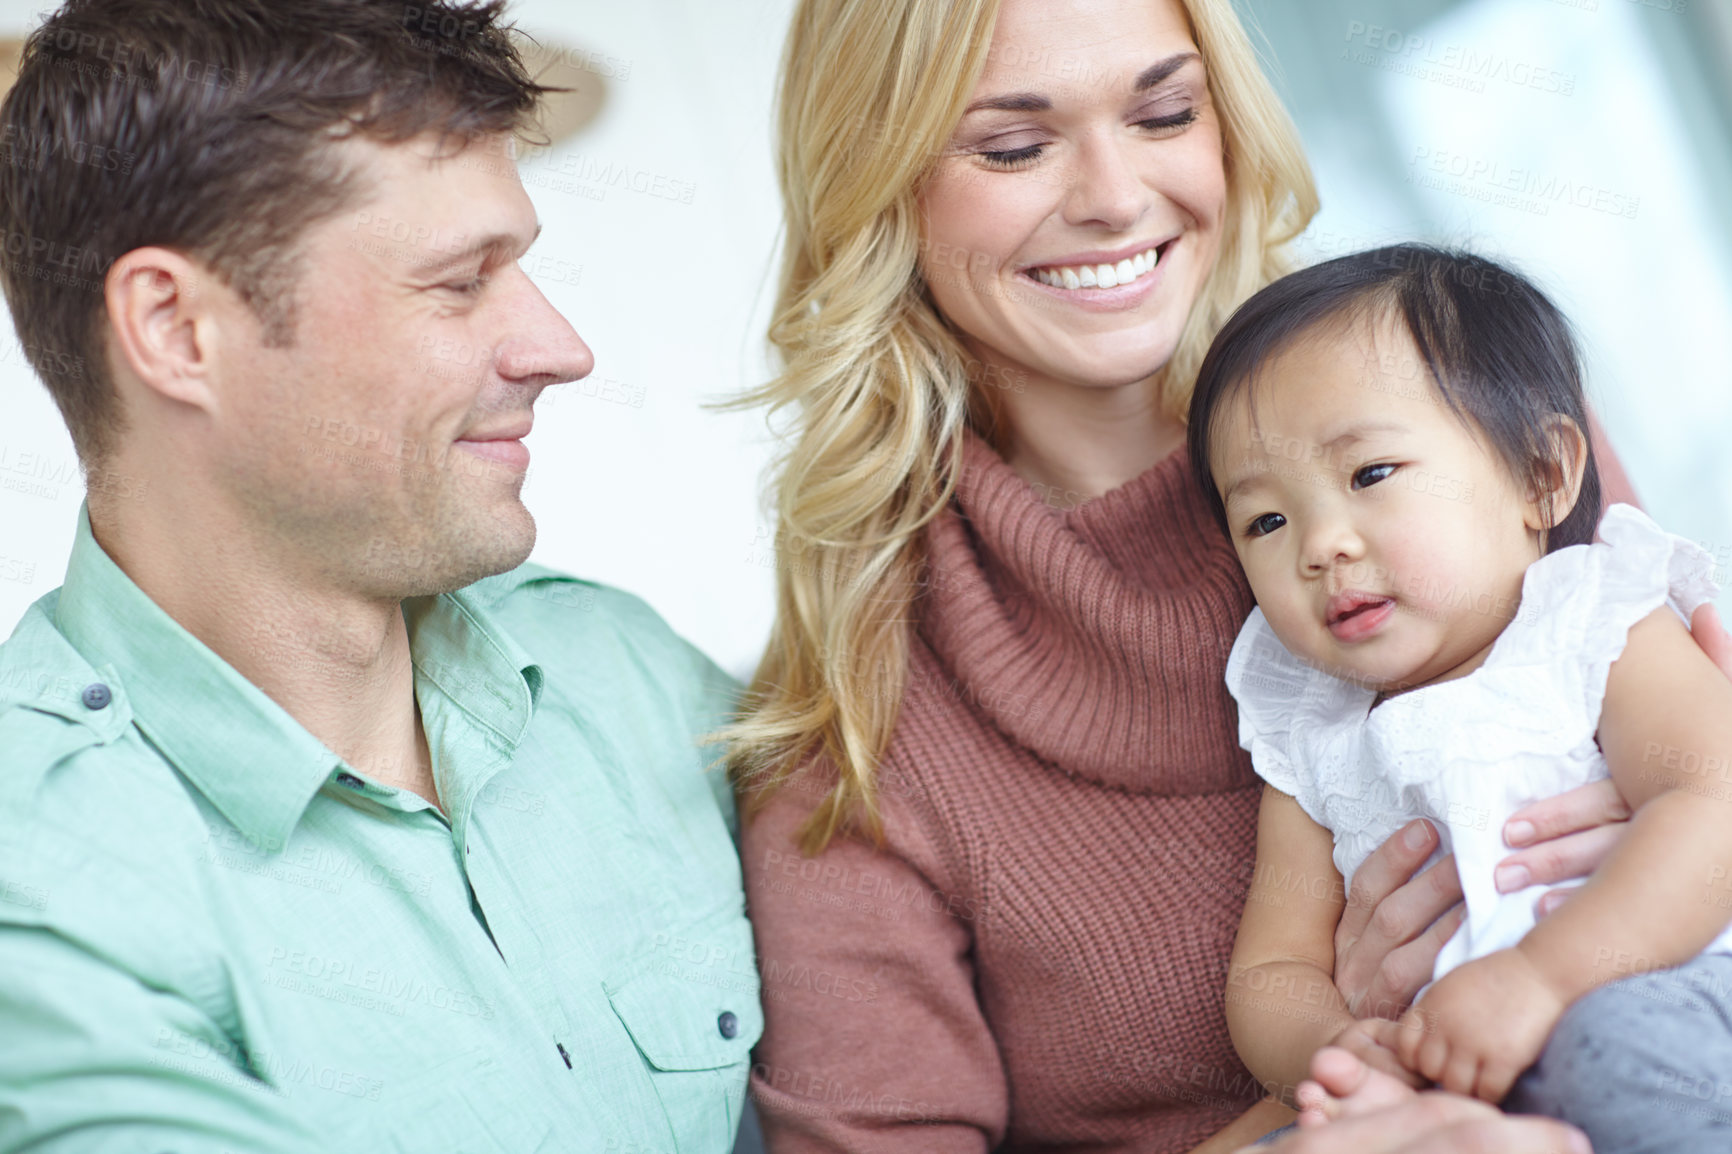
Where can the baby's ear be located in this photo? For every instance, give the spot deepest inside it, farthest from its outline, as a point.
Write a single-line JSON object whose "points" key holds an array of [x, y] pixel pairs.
{"points": [[1557, 480]]}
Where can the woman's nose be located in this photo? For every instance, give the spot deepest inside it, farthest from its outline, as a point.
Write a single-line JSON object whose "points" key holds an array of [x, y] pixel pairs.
{"points": [[1106, 190]]}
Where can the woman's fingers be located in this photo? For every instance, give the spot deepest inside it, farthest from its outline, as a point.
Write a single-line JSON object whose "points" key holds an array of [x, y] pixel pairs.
{"points": [[1584, 807], [1552, 899], [1381, 967], [1562, 859], [1406, 969], [1387, 869], [1710, 633], [1435, 1124]]}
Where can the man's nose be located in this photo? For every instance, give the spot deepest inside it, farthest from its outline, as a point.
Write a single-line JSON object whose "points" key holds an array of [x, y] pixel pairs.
{"points": [[542, 348]]}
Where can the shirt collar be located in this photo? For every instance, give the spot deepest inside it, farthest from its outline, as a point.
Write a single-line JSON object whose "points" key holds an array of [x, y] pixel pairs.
{"points": [[252, 761]]}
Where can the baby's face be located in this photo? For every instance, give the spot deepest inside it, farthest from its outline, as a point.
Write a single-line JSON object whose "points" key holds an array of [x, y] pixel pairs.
{"points": [[1383, 542]]}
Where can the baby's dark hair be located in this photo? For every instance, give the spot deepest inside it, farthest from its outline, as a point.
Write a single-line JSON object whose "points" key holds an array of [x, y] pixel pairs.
{"points": [[1497, 350]]}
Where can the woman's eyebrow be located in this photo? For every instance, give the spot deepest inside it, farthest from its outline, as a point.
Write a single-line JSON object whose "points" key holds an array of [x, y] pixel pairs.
{"points": [[1160, 70], [1035, 102]]}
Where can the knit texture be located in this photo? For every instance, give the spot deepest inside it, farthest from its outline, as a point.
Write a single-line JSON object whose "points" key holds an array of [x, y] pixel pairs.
{"points": [[1036, 957]]}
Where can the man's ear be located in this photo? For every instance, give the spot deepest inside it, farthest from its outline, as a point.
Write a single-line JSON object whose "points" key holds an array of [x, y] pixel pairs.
{"points": [[160, 323], [1560, 476]]}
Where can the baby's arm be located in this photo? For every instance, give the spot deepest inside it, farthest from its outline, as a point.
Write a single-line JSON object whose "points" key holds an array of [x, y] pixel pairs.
{"points": [[1282, 1004], [1650, 905]]}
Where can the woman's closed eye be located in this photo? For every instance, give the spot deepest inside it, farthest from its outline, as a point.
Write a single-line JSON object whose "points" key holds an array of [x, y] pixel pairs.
{"points": [[1167, 125], [1012, 157], [1171, 122]]}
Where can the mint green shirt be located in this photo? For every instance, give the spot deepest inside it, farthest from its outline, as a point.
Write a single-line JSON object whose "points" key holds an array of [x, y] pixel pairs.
{"points": [[216, 936]]}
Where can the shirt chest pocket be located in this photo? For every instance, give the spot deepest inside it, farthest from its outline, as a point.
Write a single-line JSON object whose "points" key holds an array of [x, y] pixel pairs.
{"points": [[691, 1008]]}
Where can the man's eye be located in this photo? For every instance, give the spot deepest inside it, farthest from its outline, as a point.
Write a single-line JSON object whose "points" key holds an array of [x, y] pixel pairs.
{"points": [[467, 287], [1371, 474], [1265, 525]]}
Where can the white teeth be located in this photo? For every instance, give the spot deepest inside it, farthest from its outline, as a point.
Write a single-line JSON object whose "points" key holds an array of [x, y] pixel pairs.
{"points": [[1099, 275]]}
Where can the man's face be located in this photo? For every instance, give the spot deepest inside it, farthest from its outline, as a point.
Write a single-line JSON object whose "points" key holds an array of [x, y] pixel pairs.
{"points": [[382, 446]]}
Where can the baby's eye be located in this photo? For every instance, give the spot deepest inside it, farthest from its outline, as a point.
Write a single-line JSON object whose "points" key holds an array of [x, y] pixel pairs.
{"points": [[1371, 474], [1265, 525]]}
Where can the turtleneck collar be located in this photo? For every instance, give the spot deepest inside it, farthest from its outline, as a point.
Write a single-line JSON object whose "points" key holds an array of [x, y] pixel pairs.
{"points": [[1097, 637]]}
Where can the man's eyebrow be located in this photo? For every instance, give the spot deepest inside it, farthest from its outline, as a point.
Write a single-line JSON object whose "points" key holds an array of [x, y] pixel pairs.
{"points": [[1035, 102], [494, 245]]}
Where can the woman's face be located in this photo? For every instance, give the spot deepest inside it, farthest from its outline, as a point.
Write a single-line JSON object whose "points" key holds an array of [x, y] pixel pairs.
{"points": [[1077, 211]]}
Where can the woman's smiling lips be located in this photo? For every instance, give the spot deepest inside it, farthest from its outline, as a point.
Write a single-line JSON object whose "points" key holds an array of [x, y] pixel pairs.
{"points": [[1354, 616], [1128, 274]]}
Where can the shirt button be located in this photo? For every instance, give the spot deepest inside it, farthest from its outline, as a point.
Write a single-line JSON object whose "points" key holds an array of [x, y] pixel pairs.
{"points": [[351, 781], [96, 696], [728, 1024]]}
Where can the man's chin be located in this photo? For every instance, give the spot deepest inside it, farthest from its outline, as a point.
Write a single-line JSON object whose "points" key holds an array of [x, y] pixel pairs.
{"points": [[451, 557]]}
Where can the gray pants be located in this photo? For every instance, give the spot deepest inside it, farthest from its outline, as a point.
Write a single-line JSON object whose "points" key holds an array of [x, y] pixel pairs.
{"points": [[1643, 1064]]}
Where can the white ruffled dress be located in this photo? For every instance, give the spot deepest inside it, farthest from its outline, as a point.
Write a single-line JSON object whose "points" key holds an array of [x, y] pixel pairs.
{"points": [[1468, 753]]}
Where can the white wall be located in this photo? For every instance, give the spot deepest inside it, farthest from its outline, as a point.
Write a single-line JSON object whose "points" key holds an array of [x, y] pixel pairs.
{"points": [[635, 484]]}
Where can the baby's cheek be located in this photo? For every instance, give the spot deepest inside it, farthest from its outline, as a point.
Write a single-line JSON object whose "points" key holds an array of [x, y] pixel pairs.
{"points": [[1428, 577]]}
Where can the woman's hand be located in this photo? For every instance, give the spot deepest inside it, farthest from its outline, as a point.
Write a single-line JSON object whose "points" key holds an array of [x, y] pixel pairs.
{"points": [[1395, 923], [1567, 837]]}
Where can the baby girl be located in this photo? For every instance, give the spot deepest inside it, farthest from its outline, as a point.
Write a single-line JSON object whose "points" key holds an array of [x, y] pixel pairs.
{"points": [[1395, 442]]}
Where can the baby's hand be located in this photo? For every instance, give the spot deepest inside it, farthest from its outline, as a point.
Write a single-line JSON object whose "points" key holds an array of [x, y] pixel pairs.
{"points": [[1481, 1025]]}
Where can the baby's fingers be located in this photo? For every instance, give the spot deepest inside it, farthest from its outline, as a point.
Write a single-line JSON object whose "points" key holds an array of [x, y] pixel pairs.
{"points": [[1495, 1080], [1460, 1070], [1411, 1034], [1433, 1060], [1376, 1048]]}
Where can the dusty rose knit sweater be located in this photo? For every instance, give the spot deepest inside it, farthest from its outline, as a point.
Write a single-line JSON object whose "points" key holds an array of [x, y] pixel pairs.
{"points": [[1037, 956]]}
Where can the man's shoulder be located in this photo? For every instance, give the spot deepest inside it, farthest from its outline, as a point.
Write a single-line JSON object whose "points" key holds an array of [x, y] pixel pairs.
{"points": [[558, 618], [102, 835], [568, 606], [52, 701]]}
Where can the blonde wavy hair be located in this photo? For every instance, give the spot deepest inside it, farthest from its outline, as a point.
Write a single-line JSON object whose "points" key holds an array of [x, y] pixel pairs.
{"points": [[874, 389]]}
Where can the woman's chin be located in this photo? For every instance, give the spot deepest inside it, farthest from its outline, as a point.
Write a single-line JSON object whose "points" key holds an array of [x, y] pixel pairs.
{"points": [[1107, 361]]}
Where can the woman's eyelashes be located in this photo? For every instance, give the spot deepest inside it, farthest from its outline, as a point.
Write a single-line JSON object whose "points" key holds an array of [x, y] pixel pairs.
{"points": [[1166, 125], [1170, 122], [1012, 157]]}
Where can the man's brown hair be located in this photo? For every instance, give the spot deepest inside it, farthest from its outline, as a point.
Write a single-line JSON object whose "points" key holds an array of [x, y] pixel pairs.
{"points": [[203, 126]]}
